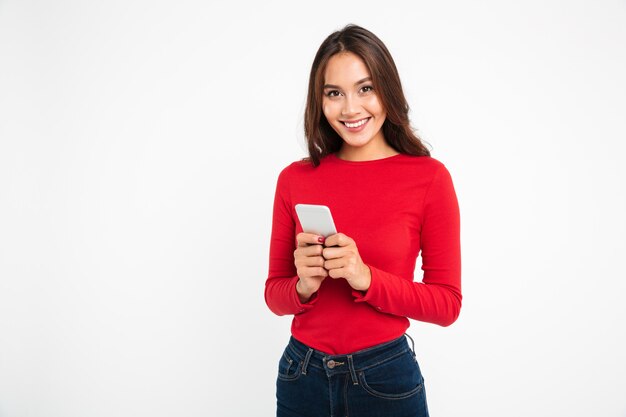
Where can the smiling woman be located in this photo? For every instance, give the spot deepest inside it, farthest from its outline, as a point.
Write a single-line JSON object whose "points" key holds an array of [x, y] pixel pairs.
{"points": [[353, 109], [352, 293], [353, 73]]}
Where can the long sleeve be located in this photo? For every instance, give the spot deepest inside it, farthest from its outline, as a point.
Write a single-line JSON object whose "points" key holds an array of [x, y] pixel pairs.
{"points": [[437, 299], [280, 292]]}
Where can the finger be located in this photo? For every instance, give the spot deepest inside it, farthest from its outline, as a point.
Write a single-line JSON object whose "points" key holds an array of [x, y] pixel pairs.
{"points": [[305, 239], [311, 250], [305, 252], [315, 272], [336, 273], [334, 264], [334, 252], [338, 239], [310, 261]]}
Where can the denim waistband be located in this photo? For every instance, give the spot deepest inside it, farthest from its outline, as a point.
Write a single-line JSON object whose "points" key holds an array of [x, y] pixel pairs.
{"points": [[352, 363]]}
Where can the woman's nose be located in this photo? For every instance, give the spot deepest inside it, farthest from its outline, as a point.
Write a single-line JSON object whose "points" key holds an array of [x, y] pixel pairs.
{"points": [[350, 106]]}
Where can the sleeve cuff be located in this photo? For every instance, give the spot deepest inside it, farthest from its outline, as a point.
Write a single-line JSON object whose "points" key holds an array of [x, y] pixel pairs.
{"points": [[369, 296], [302, 307]]}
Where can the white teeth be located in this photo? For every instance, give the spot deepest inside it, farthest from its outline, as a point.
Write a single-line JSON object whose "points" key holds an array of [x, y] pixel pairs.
{"points": [[357, 124]]}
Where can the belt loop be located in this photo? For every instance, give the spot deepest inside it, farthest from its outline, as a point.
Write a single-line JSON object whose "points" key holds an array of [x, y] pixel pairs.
{"points": [[412, 343], [355, 380], [307, 358]]}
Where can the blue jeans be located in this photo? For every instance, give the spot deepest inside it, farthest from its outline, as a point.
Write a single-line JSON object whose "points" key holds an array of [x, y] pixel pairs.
{"points": [[384, 380]]}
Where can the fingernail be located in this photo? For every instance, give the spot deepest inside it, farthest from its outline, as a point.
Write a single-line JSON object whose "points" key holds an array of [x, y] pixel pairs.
{"points": [[321, 239]]}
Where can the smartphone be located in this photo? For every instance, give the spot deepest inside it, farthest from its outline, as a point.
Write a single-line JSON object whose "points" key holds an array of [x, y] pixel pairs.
{"points": [[316, 219]]}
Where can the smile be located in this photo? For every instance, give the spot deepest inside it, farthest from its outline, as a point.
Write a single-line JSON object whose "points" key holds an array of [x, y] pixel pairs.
{"points": [[357, 123]]}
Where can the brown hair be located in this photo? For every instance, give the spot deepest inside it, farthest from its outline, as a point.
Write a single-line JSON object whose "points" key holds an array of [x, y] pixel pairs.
{"points": [[321, 137]]}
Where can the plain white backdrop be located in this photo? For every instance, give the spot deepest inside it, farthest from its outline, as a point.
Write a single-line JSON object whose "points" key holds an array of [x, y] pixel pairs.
{"points": [[140, 143]]}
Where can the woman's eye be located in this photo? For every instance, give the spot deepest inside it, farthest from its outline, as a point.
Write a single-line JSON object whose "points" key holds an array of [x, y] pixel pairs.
{"points": [[367, 88], [332, 93]]}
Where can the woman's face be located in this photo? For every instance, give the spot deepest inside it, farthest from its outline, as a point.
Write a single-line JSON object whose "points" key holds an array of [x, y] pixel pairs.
{"points": [[351, 105]]}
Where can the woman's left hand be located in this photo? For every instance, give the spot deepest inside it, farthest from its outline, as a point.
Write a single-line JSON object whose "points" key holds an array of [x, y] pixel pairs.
{"points": [[343, 261]]}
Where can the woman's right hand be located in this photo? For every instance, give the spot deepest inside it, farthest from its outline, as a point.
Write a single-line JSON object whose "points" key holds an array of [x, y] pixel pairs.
{"points": [[309, 264]]}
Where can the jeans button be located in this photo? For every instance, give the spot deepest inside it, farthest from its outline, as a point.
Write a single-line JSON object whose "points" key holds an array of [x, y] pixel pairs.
{"points": [[330, 364]]}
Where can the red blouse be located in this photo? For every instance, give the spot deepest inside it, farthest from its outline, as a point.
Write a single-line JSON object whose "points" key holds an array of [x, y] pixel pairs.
{"points": [[393, 208]]}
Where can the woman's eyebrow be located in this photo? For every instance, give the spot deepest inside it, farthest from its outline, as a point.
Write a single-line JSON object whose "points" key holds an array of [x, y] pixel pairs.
{"points": [[356, 83]]}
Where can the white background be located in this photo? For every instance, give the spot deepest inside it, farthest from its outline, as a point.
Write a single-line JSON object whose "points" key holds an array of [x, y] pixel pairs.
{"points": [[140, 143]]}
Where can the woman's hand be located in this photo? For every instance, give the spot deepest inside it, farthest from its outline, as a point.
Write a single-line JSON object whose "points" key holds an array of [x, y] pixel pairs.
{"points": [[309, 264], [343, 261]]}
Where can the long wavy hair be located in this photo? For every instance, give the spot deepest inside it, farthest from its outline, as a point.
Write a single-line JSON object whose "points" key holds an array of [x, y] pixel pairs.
{"points": [[320, 136]]}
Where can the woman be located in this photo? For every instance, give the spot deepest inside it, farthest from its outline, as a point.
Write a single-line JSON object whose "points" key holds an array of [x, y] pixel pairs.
{"points": [[352, 293]]}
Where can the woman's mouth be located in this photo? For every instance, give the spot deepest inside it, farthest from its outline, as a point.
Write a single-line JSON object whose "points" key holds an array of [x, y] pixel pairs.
{"points": [[356, 125]]}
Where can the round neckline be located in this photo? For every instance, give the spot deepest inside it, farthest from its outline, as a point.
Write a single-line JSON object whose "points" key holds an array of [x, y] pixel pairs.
{"points": [[334, 157]]}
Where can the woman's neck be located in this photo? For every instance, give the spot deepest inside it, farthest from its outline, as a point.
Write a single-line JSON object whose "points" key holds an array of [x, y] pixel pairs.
{"points": [[365, 153]]}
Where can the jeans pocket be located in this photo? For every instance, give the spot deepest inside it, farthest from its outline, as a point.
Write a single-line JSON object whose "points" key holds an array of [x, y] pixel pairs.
{"points": [[289, 366], [395, 379]]}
